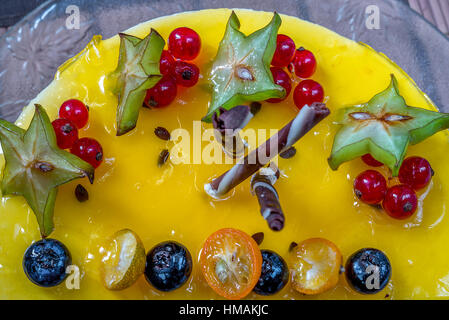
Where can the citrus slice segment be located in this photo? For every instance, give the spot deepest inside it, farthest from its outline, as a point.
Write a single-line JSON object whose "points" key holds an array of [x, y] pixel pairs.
{"points": [[123, 260], [231, 263], [315, 266]]}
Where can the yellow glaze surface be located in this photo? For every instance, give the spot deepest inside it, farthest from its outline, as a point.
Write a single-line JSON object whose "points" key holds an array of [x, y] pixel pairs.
{"points": [[159, 204]]}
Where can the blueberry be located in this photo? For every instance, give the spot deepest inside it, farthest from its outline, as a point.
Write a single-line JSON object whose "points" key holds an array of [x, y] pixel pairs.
{"points": [[45, 262], [168, 266], [368, 271], [274, 274]]}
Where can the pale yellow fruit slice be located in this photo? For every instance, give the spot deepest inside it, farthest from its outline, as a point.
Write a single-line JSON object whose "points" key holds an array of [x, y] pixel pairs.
{"points": [[123, 260]]}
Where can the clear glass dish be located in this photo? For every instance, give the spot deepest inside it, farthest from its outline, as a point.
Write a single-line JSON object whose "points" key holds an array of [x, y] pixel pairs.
{"points": [[31, 51]]}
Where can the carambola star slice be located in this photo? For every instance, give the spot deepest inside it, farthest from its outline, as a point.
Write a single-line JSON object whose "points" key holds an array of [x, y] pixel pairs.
{"points": [[383, 127], [241, 69], [137, 71], [35, 166]]}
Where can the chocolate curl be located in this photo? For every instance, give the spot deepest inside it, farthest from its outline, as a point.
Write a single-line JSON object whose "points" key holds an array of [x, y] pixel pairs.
{"points": [[227, 124], [307, 118], [262, 185]]}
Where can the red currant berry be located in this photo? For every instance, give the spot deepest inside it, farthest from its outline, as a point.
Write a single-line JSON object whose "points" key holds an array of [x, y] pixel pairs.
{"points": [[304, 63], [75, 111], [281, 78], [186, 74], [369, 160], [89, 150], [184, 43], [370, 187], [167, 63], [285, 49], [308, 92], [416, 172], [66, 133], [400, 202], [162, 94]]}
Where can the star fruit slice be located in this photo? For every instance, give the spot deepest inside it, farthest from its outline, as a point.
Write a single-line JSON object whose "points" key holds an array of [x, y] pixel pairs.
{"points": [[241, 69], [35, 166], [384, 127], [136, 72]]}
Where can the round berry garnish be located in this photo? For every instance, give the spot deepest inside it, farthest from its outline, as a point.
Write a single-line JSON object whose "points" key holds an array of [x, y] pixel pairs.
{"points": [[285, 49], [416, 172], [368, 270], [45, 262], [184, 43], [304, 63], [281, 78], [168, 266], [274, 275], [167, 63], [400, 202], [89, 150], [369, 160], [66, 133], [370, 186], [186, 74], [75, 111], [307, 92], [162, 94]]}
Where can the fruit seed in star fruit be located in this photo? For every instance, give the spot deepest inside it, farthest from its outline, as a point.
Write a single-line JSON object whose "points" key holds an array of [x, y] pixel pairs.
{"points": [[315, 266], [123, 260], [231, 263], [45, 262], [368, 271]]}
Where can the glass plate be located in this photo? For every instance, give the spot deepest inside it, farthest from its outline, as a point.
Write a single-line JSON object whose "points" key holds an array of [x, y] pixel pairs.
{"points": [[32, 50]]}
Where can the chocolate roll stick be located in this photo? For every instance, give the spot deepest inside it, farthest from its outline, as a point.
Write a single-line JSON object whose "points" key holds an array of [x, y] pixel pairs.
{"points": [[262, 185], [227, 124], [307, 118]]}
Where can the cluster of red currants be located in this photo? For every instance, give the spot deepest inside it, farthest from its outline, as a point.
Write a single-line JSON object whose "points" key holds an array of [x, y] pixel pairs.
{"points": [[300, 62], [399, 201], [184, 45], [73, 115]]}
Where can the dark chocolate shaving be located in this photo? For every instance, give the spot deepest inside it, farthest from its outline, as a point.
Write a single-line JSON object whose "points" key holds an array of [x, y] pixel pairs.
{"points": [[289, 153], [270, 207], [255, 107], [307, 118], [292, 246], [227, 124], [258, 237], [81, 193], [163, 157], [162, 133]]}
